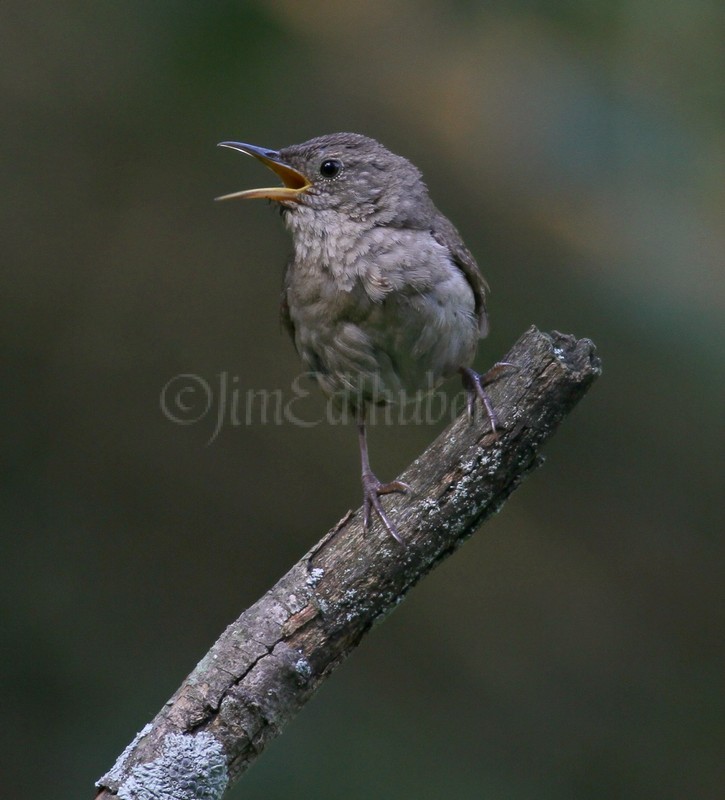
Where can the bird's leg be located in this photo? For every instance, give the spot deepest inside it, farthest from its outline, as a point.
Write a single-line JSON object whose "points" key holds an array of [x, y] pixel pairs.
{"points": [[474, 383], [373, 488]]}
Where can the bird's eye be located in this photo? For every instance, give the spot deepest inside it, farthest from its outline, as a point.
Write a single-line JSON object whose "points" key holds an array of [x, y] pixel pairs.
{"points": [[330, 168]]}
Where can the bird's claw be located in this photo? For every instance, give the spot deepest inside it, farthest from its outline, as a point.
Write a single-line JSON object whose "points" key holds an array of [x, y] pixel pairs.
{"points": [[474, 384], [372, 491]]}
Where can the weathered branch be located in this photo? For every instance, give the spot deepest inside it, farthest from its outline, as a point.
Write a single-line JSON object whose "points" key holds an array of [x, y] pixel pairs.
{"points": [[268, 663]]}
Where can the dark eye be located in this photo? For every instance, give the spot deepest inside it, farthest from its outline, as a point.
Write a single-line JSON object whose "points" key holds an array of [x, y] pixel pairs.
{"points": [[330, 168]]}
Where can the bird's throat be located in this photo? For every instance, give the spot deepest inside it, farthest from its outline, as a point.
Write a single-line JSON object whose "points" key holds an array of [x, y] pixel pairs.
{"points": [[327, 240]]}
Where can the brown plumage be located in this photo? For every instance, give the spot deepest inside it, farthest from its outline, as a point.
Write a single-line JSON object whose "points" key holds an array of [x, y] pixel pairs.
{"points": [[382, 298]]}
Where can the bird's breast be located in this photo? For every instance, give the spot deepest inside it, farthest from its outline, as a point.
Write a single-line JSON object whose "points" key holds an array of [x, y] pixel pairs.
{"points": [[378, 313]]}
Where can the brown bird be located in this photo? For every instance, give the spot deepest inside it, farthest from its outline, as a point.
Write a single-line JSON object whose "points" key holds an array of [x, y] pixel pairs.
{"points": [[382, 297]]}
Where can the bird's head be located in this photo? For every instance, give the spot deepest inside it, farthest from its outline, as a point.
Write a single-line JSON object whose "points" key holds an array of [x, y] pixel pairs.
{"points": [[343, 172]]}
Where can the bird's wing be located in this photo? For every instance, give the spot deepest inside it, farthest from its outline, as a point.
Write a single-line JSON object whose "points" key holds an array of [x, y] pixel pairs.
{"points": [[446, 234]]}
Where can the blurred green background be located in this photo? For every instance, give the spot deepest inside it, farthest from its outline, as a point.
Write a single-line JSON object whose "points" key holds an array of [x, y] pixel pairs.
{"points": [[574, 648]]}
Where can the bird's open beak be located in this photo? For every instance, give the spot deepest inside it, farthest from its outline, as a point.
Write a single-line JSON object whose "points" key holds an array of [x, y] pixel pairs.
{"points": [[294, 182]]}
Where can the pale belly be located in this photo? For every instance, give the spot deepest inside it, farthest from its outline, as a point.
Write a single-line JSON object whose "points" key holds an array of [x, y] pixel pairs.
{"points": [[387, 351]]}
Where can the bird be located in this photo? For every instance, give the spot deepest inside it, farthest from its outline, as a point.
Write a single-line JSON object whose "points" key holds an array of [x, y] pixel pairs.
{"points": [[381, 296]]}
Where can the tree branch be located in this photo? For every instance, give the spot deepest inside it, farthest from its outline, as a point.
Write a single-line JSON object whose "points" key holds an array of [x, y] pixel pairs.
{"points": [[268, 663]]}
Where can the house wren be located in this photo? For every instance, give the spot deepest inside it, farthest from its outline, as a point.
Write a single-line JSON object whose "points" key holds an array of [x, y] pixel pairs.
{"points": [[382, 297]]}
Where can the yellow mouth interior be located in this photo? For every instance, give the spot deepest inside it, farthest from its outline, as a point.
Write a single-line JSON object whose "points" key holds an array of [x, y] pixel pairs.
{"points": [[295, 183]]}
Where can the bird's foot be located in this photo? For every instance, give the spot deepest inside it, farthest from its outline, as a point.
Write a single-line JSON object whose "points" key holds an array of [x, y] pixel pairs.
{"points": [[474, 383], [372, 491]]}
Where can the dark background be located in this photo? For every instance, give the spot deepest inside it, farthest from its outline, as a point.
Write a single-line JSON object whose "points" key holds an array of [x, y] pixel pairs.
{"points": [[574, 648]]}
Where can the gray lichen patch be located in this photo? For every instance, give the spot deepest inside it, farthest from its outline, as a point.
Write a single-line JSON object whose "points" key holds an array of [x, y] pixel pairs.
{"points": [[315, 576], [190, 767], [303, 669], [117, 773]]}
